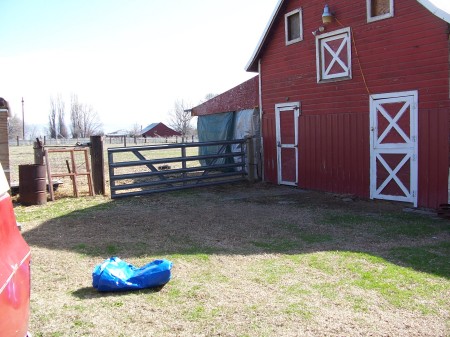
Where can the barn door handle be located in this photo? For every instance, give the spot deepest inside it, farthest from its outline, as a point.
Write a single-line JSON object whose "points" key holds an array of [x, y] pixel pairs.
{"points": [[279, 144]]}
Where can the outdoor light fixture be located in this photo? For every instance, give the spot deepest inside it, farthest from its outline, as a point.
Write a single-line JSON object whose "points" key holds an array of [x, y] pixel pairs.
{"points": [[319, 30], [327, 16]]}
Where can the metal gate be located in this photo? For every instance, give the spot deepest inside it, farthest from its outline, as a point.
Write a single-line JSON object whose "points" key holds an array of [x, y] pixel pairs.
{"points": [[143, 170], [393, 121]]}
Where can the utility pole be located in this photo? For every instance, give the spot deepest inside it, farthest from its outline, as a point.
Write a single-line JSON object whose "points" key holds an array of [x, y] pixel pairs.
{"points": [[23, 121]]}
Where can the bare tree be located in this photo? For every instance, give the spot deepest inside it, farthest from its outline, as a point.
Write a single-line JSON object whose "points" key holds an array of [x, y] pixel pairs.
{"points": [[57, 123], [180, 118], [52, 119], [208, 97], [33, 131], [61, 115], [14, 127], [135, 130], [84, 120]]}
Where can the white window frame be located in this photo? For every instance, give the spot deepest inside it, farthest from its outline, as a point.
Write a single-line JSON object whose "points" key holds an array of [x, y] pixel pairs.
{"points": [[371, 18], [286, 26], [321, 40]]}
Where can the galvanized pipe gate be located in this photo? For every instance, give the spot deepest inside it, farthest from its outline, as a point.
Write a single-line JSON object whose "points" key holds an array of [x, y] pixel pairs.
{"points": [[143, 170]]}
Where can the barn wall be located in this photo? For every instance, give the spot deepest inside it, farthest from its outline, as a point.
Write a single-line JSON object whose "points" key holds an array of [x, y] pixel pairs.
{"points": [[4, 149], [403, 53]]}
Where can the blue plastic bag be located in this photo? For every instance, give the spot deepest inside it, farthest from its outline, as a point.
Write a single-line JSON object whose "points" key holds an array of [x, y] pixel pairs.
{"points": [[116, 275]]}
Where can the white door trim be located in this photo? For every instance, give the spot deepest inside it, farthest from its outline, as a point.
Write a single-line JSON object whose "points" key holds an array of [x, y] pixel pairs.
{"points": [[407, 147], [295, 107]]}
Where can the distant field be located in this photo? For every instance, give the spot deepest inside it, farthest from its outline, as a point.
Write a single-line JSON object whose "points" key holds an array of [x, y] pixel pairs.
{"points": [[23, 155]]}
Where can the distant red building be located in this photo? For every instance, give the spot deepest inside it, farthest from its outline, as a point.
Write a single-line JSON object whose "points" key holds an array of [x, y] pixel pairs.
{"points": [[159, 130]]}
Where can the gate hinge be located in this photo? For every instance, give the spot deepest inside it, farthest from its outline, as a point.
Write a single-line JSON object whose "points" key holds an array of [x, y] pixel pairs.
{"points": [[414, 194]]}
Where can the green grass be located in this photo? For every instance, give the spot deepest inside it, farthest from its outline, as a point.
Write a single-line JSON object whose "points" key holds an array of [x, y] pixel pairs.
{"points": [[240, 277], [388, 225], [431, 258], [70, 207]]}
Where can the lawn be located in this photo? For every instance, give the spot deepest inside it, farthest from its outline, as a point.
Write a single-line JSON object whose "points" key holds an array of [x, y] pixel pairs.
{"points": [[248, 260]]}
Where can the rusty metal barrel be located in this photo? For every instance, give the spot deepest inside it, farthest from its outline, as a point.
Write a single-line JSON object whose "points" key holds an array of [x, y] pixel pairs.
{"points": [[32, 185]]}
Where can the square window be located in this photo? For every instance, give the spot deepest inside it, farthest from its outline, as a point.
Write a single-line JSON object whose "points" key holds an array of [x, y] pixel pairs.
{"points": [[334, 56], [293, 26], [379, 9]]}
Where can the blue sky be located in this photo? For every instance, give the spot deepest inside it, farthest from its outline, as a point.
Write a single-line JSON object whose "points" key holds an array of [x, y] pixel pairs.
{"points": [[129, 59]]}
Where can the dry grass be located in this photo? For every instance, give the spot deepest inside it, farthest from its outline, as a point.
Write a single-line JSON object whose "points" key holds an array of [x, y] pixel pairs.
{"points": [[248, 261]]}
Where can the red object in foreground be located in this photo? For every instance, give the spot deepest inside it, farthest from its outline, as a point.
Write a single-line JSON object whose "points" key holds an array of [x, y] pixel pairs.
{"points": [[14, 270]]}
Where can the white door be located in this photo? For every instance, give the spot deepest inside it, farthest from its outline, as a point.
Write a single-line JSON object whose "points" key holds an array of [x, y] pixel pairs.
{"points": [[286, 115], [393, 141]]}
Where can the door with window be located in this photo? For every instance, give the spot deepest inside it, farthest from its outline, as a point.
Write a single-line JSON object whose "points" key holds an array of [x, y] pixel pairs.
{"points": [[286, 115], [393, 166]]}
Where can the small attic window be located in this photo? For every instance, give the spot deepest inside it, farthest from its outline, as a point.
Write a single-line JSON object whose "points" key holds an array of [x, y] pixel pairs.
{"points": [[293, 26], [379, 9]]}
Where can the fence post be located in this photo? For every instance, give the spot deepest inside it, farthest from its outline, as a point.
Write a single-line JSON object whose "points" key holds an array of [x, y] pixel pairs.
{"points": [[250, 159], [38, 152], [98, 165]]}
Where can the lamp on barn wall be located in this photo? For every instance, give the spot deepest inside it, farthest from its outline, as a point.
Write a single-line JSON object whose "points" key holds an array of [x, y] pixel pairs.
{"points": [[327, 16]]}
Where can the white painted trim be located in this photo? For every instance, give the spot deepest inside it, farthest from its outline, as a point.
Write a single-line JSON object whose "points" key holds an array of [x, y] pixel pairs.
{"points": [[263, 37], [436, 10], [261, 120], [295, 107], [344, 34], [371, 18], [286, 26]]}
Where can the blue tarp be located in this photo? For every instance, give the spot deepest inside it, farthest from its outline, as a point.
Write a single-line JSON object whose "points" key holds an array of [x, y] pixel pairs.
{"points": [[214, 128], [116, 275]]}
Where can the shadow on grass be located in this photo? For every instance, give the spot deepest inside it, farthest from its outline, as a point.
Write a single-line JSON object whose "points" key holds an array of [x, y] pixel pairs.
{"points": [[247, 221], [91, 292]]}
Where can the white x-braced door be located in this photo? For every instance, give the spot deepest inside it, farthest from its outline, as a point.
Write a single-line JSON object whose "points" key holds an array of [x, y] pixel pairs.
{"points": [[393, 166]]}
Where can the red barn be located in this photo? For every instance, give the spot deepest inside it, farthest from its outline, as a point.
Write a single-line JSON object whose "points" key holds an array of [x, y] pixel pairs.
{"points": [[243, 96], [159, 130], [358, 104]]}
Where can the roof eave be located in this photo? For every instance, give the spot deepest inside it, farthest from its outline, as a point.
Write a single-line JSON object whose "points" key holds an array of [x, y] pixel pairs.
{"points": [[252, 65], [440, 13]]}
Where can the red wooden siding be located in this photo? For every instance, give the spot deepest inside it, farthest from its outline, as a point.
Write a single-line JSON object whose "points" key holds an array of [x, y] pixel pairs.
{"points": [[334, 153], [243, 96], [407, 52], [433, 157]]}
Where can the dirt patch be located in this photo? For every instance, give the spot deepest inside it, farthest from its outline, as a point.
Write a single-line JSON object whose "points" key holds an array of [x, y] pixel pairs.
{"points": [[249, 260]]}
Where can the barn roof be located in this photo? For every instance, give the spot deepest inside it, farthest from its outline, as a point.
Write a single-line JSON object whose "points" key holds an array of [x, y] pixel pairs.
{"points": [[118, 133], [439, 8], [148, 128], [242, 96]]}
